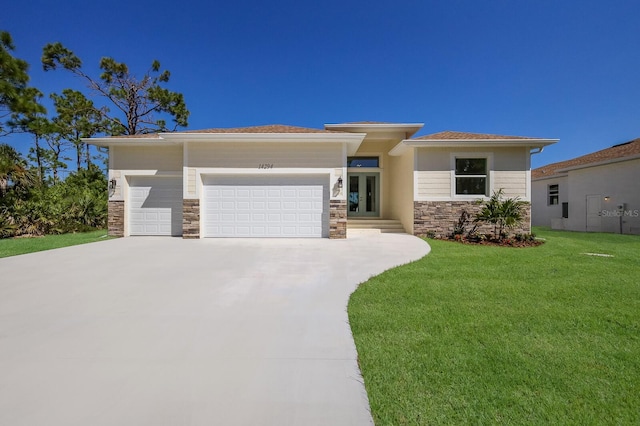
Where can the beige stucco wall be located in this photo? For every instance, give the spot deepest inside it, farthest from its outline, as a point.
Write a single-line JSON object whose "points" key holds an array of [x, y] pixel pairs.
{"points": [[203, 159], [434, 175], [167, 158], [126, 161], [401, 189], [251, 155]]}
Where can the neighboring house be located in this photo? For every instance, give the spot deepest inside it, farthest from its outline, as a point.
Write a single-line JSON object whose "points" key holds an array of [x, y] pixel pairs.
{"points": [[598, 192], [284, 181]]}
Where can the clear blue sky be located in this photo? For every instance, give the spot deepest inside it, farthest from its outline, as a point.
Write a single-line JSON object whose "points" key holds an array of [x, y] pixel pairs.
{"points": [[552, 69]]}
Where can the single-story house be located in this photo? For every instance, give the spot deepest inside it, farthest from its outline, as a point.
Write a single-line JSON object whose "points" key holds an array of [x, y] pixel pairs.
{"points": [[597, 192], [285, 181]]}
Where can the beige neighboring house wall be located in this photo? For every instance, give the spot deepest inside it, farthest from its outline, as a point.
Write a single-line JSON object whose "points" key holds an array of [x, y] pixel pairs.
{"points": [[543, 213], [601, 190]]}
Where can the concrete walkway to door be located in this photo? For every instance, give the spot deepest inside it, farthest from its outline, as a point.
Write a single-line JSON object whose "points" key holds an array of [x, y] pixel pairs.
{"points": [[164, 331]]}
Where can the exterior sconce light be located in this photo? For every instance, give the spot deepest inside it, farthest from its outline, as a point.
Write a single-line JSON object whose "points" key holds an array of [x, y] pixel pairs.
{"points": [[112, 184], [607, 198], [340, 182]]}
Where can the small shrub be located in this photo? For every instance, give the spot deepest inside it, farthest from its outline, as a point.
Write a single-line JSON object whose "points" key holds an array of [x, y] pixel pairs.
{"points": [[461, 225], [501, 213]]}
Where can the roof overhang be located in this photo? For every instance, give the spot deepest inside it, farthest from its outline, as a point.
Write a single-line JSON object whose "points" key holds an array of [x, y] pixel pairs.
{"points": [[352, 140], [553, 176], [469, 143], [381, 131]]}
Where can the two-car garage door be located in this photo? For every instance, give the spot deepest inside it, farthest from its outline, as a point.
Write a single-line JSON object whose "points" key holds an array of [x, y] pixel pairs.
{"points": [[234, 206], [265, 206]]}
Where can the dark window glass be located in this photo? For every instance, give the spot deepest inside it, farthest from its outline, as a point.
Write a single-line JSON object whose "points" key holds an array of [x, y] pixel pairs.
{"points": [[363, 162], [554, 192], [471, 166], [565, 210], [471, 176], [471, 185]]}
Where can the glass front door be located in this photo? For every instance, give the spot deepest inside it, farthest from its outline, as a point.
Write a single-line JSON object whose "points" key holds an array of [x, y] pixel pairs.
{"points": [[364, 195]]}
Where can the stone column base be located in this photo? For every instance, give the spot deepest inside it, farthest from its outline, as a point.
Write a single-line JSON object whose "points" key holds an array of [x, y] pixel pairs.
{"points": [[337, 219], [190, 219], [115, 218]]}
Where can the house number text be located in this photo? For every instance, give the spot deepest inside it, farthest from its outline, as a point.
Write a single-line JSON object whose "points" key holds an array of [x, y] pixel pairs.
{"points": [[265, 166]]}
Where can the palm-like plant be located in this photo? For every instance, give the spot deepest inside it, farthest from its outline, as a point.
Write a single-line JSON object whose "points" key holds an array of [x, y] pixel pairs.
{"points": [[502, 214], [13, 169]]}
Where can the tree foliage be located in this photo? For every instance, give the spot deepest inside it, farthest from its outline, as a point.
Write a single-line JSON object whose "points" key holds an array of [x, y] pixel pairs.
{"points": [[77, 118], [77, 204], [140, 103], [16, 97], [34, 198]]}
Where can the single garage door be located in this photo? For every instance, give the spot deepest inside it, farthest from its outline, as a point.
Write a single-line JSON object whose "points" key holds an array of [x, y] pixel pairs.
{"points": [[155, 205], [267, 206]]}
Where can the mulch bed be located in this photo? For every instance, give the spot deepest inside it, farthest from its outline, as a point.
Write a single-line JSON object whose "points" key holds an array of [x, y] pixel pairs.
{"points": [[507, 242]]}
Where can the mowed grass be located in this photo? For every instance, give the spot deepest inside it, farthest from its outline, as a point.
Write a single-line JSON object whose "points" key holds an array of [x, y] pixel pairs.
{"points": [[492, 335], [16, 246]]}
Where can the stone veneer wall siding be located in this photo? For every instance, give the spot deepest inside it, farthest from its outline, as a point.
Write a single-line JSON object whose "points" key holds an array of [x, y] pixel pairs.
{"points": [[115, 218], [337, 219], [441, 217], [191, 218]]}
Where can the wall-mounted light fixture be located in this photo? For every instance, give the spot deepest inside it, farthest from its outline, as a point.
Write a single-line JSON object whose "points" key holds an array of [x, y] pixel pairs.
{"points": [[340, 182], [112, 184], [606, 198]]}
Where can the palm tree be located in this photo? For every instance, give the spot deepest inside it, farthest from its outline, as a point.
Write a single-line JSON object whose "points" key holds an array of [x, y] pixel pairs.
{"points": [[501, 213], [13, 169]]}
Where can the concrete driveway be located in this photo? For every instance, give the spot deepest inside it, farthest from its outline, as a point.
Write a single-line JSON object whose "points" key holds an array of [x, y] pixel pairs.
{"points": [[165, 331]]}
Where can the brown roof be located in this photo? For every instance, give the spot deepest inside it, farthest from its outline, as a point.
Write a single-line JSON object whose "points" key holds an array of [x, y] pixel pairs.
{"points": [[450, 135], [271, 128], [627, 149], [138, 136], [368, 122]]}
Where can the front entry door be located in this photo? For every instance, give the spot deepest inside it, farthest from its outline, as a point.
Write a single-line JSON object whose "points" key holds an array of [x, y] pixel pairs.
{"points": [[364, 195]]}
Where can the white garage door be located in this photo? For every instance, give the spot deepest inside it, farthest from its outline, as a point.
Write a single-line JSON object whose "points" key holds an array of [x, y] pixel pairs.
{"points": [[273, 206], [155, 206]]}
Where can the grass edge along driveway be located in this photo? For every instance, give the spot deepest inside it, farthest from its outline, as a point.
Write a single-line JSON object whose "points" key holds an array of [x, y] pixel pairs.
{"points": [[484, 335], [16, 246]]}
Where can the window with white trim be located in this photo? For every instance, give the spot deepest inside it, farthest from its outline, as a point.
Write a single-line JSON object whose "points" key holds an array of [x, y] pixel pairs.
{"points": [[471, 176], [554, 194]]}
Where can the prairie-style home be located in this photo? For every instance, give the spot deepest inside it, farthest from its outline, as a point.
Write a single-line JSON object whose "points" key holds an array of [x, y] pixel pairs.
{"points": [[286, 181]]}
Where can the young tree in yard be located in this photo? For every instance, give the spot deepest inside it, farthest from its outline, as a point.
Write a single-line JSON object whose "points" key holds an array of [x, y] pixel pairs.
{"points": [[142, 102], [15, 95], [53, 156], [501, 213], [77, 118], [37, 124]]}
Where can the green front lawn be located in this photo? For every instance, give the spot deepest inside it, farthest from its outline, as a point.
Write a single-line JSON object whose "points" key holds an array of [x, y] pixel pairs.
{"points": [[15, 246], [485, 335]]}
